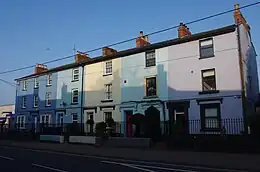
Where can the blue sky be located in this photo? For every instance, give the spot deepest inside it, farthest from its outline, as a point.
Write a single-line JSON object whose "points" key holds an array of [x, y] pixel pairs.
{"points": [[38, 31]]}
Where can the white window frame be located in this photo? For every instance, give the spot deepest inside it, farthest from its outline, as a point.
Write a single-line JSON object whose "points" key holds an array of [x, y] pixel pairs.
{"points": [[43, 119], [75, 74], [49, 79], [73, 96], [48, 99], [36, 83], [108, 91], [35, 99], [24, 99], [72, 119], [20, 121], [25, 85], [108, 67], [150, 59]]}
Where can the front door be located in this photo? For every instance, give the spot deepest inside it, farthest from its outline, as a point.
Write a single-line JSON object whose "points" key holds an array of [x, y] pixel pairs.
{"points": [[129, 124], [180, 119], [60, 117]]}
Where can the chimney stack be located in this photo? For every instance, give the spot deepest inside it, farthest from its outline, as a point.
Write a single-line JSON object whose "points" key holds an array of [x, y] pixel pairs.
{"points": [[39, 68], [79, 57], [106, 51], [183, 31], [239, 18], [142, 40]]}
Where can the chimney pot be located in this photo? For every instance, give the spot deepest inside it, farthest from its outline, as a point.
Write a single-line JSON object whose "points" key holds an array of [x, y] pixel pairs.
{"points": [[142, 40]]}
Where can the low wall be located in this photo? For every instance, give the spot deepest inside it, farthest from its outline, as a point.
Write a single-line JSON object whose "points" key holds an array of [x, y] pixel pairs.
{"points": [[52, 138], [83, 139], [128, 142]]}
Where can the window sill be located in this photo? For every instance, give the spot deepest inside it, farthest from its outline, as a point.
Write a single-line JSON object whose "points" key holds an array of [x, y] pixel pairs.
{"points": [[36, 88], [24, 90], [150, 97], [106, 101], [206, 57], [23, 107], [209, 92], [75, 80], [107, 74], [48, 85], [148, 67], [35, 106], [74, 103], [211, 129], [47, 105]]}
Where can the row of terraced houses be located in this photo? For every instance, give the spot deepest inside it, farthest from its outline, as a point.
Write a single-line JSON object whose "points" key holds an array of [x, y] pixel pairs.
{"points": [[207, 76]]}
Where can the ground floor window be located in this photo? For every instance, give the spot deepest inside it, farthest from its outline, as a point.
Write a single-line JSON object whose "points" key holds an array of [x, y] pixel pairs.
{"points": [[74, 117], [45, 119], [20, 121], [210, 116], [107, 115]]}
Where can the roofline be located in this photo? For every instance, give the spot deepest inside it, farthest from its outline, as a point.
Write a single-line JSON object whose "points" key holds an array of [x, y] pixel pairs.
{"points": [[120, 54]]}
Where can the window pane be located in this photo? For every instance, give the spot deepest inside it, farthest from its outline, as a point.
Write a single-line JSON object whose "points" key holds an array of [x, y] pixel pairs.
{"points": [[211, 112], [150, 59], [211, 123], [151, 86], [206, 42], [209, 83], [207, 52], [208, 73]]}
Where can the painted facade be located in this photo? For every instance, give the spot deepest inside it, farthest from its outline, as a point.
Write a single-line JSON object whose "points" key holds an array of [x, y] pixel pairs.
{"points": [[32, 107], [69, 96], [102, 93]]}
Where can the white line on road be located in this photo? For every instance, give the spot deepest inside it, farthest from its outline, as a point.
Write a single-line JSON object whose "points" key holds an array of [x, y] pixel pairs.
{"points": [[147, 166], [128, 165], [125, 160], [4, 157], [49, 168]]}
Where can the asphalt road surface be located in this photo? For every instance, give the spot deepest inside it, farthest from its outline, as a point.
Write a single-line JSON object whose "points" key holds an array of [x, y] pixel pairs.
{"points": [[16, 159]]}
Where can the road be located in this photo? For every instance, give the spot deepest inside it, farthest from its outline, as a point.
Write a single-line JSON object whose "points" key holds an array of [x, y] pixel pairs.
{"points": [[14, 159]]}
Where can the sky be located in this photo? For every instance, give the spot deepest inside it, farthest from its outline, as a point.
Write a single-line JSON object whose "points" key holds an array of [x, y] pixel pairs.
{"points": [[34, 31]]}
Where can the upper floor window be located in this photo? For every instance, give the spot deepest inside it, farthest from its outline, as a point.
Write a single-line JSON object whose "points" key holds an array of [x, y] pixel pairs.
{"points": [[24, 102], [150, 59], [150, 87], [75, 96], [208, 80], [36, 83], [206, 48], [75, 74], [108, 67], [108, 91], [48, 99], [49, 80], [35, 101], [25, 85]]}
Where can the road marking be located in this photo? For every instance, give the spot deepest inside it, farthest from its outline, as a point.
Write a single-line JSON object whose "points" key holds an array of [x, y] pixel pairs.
{"points": [[128, 165], [4, 157], [147, 166], [125, 160], [49, 168]]}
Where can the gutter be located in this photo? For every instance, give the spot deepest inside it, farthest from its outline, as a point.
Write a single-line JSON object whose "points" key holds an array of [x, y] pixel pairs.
{"points": [[240, 57], [82, 98]]}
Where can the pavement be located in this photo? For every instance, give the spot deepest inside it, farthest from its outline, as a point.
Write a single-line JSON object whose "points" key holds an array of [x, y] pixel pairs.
{"points": [[36, 156]]}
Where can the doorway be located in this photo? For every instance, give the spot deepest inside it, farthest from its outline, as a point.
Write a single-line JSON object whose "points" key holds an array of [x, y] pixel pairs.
{"points": [[129, 124]]}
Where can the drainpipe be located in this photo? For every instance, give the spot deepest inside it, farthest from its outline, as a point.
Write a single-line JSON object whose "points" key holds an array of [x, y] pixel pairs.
{"points": [[82, 98], [240, 57]]}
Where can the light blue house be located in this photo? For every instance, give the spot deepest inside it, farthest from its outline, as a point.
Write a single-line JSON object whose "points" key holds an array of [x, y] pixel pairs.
{"points": [[50, 96]]}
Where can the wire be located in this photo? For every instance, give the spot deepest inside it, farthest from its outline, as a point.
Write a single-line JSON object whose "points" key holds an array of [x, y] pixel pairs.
{"points": [[138, 66], [128, 40], [9, 83]]}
